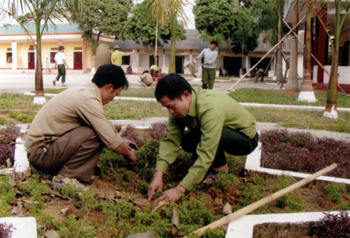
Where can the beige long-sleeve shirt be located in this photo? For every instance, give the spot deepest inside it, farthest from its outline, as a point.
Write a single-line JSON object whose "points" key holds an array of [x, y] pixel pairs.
{"points": [[80, 106]]}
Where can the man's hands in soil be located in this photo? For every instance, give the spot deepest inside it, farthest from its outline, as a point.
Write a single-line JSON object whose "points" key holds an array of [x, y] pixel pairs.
{"points": [[173, 194], [157, 184]]}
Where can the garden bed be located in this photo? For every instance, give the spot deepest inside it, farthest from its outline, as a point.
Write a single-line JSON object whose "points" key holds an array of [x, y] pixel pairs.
{"points": [[116, 204]]}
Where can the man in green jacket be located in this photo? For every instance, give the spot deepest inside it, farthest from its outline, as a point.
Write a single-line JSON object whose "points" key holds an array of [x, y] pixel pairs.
{"points": [[216, 124]]}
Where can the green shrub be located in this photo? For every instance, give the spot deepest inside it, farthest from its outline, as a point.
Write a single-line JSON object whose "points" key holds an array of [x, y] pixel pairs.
{"points": [[225, 181], [335, 191], [34, 188], [142, 187]]}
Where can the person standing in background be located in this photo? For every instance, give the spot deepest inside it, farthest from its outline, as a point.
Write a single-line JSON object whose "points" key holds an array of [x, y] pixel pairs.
{"points": [[208, 67], [60, 62], [116, 57]]}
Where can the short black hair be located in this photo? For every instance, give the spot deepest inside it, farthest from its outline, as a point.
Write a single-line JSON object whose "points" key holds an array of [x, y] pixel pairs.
{"points": [[61, 47], [110, 74], [172, 85], [214, 42], [146, 71]]}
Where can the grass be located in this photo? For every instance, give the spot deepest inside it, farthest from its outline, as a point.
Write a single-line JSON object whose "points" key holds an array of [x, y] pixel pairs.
{"points": [[284, 97], [121, 109], [130, 92]]}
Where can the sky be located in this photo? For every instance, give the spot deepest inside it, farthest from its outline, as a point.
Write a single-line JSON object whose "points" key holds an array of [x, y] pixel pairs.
{"points": [[188, 12]]}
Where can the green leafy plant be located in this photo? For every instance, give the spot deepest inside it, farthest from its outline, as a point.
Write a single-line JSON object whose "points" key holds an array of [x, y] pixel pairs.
{"points": [[335, 191], [142, 187], [35, 189], [225, 181]]}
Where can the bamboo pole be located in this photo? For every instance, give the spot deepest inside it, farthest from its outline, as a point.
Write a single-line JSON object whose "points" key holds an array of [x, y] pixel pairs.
{"points": [[312, 55], [229, 218], [273, 56], [318, 62], [302, 19]]}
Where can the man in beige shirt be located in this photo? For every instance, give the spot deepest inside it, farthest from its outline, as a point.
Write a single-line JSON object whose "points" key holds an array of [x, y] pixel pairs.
{"points": [[146, 79], [67, 135]]}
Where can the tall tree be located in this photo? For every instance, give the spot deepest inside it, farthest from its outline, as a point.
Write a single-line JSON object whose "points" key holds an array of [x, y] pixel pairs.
{"points": [[245, 38], [293, 83], [100, 16], [41, 13], [164, 9], [332, 93], [219, 19], [268, 13], [307, 91], [141, 28]]}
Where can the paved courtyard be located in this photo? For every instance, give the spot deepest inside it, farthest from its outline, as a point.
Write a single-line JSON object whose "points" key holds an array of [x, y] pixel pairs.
{"points": [[23, 81]]}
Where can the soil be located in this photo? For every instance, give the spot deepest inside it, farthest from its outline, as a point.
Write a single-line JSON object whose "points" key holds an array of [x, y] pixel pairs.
{"points": [[287, 230]]}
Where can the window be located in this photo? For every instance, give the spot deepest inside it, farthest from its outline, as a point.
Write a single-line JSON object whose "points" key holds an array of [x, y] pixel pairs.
{"points": [[126, 60], [52, 57], [8, 57], [151, 60]]}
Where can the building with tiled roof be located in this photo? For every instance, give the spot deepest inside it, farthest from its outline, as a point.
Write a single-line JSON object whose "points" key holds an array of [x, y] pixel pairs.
{"points": [[16, 44]]}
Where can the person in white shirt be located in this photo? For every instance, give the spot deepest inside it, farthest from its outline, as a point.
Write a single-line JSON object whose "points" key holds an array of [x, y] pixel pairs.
{"points": [[60, 62], [209, 65]]}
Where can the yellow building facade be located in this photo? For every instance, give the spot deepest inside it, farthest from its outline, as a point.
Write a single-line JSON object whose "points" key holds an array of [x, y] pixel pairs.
{"points": [[17, 51]]}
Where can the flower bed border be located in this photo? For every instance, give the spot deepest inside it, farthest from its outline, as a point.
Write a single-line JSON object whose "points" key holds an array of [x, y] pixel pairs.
{"points": [[253, 164], [244, 226], [22, 226]]}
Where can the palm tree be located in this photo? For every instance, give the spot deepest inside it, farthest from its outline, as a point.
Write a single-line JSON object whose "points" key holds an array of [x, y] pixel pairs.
{"points": [[293, 83], [332, 93], [307, 92], [162, 9], [42, 12]]}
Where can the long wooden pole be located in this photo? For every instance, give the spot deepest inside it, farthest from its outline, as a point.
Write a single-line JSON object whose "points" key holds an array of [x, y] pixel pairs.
{"points": [[273, 56], [312, 55], [229, 218], [266, 54]]}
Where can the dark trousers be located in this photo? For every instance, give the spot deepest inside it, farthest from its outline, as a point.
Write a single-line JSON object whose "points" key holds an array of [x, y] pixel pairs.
{"points": [[61, 71], [73, 155], [208, 78], [231, 142]]}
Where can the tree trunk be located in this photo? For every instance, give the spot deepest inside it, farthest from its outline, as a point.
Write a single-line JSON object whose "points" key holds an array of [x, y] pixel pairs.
{"points": [[332, 93], [172, 47], [279, 74], [39, 88], [293, 83], [307, 91], [156, 45], [236, 5]]}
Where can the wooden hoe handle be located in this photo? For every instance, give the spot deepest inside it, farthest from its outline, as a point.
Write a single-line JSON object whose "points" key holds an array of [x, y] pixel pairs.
{"points": [[229, 218]]}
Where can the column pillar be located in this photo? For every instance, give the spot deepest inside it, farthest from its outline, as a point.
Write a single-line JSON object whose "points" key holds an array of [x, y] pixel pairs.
{"points": [[84, 56], [14, 55], [321, 35]]}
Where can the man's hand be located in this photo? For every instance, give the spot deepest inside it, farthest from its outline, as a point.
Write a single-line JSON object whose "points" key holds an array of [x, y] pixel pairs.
{"points": [[130, 145], [157, 184], [126, 149], [173, 194]]}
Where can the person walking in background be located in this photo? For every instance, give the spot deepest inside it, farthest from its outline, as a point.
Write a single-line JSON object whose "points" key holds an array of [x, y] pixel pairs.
{"points": [[60, 62], [116, 57], [208, 67]]}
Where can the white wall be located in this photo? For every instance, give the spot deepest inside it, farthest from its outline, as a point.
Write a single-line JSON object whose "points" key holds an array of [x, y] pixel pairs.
{"points": [[343, 71]]}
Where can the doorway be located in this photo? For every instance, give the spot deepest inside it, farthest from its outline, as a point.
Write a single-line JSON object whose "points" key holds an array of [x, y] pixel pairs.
{"points": [[78, 60], [31, 60], [232, 65], [178, 64]]}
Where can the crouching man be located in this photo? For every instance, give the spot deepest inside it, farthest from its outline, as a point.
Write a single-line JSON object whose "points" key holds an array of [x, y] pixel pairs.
{"points": [[68, 134], [216, 124]]}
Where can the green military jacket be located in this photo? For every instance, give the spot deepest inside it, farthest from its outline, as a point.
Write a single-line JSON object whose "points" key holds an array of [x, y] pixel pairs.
{"points": [[209, 112]]}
